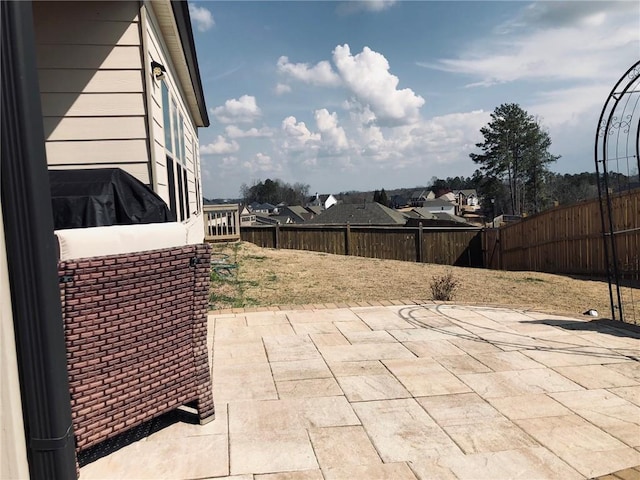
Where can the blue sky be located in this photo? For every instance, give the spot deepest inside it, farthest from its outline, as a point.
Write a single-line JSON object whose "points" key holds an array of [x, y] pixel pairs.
{"points": [[385, 94]]}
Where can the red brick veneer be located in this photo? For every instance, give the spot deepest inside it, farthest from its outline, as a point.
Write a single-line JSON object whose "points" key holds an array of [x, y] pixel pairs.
{"points": [[136, 335]]}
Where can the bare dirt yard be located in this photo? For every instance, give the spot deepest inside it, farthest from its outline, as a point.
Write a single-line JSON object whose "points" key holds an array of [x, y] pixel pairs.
{"points": [[269, 277]]}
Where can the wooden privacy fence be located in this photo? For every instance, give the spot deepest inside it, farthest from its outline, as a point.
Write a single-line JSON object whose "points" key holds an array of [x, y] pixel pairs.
{"points": [[448, 246], [568, 239]]}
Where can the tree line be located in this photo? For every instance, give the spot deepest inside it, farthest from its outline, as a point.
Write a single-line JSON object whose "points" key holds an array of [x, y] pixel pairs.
{"points": [[275, 191]]}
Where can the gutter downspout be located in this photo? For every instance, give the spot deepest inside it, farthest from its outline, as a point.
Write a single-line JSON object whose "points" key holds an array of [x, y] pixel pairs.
{"points": [[31, 257]]}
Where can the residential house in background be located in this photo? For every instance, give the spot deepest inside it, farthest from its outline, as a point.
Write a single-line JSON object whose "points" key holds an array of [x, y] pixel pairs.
{"points": [[418, 197], [439, 205], [323, 201], [266, 208], [247, 218]]}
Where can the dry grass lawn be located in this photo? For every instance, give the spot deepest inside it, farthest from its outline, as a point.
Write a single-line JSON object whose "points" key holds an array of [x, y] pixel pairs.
{"points": [[269, 277]]}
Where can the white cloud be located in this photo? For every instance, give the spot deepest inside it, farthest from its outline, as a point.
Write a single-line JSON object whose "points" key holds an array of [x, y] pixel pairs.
{"points": [[234, 132], [367, 76], [320, 74], [282, 88], [347, 8], [220, 147], [243, 110], [579, 41], [297, 136], [202, 17], [262, 162], [332, 136]]}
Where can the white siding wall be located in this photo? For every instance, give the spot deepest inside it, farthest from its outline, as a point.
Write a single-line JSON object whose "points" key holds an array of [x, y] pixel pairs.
{"points": [[157, 51], [91, 82], [13, 453]]}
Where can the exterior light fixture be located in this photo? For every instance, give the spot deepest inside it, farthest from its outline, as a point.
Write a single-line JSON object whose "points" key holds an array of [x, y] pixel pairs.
{"points": [[158, 70]]}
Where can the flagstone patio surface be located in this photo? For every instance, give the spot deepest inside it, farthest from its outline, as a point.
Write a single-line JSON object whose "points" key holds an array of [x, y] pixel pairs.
{"points": [[418, 391]]}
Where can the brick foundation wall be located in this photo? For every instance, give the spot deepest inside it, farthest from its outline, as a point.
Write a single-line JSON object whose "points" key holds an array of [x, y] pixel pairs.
{"points": [[136, 333]]}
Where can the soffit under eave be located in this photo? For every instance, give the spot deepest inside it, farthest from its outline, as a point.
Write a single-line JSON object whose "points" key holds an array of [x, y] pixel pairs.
{"points": [[168, 28]]}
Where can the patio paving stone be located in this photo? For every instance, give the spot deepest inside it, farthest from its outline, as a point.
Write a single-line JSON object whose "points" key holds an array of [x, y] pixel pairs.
{"points": [[508, 384], [310, 387], [596, 376], [360, 388], [571, 436], [315, 327], [341, 446], [382, 318], [270, 452], [566, 357], [240, 353], [302, 475], [328, 339], [460, 409], [461, 364], [300, 369], [631, 394], [364, 351], [525, 464], [424, 376], [288, 348], [615, 415], [243, 382], [375, 336], [179, 457], [402, 431], [507, 361], [529, 406], [364, 367], [387, 471], [266, 318], [352, 326], [432, 348]]}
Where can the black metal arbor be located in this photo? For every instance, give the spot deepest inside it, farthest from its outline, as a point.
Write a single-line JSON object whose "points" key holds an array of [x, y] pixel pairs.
{"points": [[617, 158]]}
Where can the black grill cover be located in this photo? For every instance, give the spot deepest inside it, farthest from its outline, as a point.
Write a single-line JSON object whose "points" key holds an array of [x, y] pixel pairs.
{"points": [[102, 197]]}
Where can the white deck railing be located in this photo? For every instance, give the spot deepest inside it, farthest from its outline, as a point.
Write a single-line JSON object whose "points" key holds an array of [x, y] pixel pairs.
{"points": [[221, 223]]}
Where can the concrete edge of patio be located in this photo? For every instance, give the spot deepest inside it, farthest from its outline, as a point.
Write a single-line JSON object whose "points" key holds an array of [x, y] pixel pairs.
{"points": [[389, 303]]}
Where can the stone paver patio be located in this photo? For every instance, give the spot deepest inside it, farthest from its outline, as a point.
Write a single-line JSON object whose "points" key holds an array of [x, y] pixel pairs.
{"points": [[403, 392]]}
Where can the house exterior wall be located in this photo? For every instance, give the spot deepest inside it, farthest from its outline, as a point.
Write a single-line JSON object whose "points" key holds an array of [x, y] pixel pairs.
{"points": [[91, 82], [13, 454], [185, 157], [102, 106]]}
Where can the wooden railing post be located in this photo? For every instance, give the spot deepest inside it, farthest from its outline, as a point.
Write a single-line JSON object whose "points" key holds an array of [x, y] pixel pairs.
{"points": [[276, 236], [419, 235], [347, 240]]}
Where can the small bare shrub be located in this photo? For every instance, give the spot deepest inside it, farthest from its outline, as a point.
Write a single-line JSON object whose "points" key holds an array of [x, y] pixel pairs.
{"points": [[444, 287]]}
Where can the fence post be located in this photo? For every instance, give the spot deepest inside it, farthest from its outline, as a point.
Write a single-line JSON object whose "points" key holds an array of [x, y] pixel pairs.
{"points": [[498, 239], [347, 240], [276, 236], [419, 253]]}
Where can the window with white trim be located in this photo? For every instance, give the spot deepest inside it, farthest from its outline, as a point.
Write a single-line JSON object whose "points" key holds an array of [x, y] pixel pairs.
{"points": [[177, 175]]}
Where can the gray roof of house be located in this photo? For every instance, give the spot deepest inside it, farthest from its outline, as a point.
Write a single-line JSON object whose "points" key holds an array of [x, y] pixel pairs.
{"points": [[315, 209], [467, 192], [449, 217], [421, 212], [297, 213], [359, 214]]}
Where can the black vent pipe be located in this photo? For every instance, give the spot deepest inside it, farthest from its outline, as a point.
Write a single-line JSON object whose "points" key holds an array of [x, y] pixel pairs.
{"points": [[31, 254]]}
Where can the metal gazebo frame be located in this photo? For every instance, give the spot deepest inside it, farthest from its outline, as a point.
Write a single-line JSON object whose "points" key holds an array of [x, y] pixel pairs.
{"points": [[617, 155]]}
